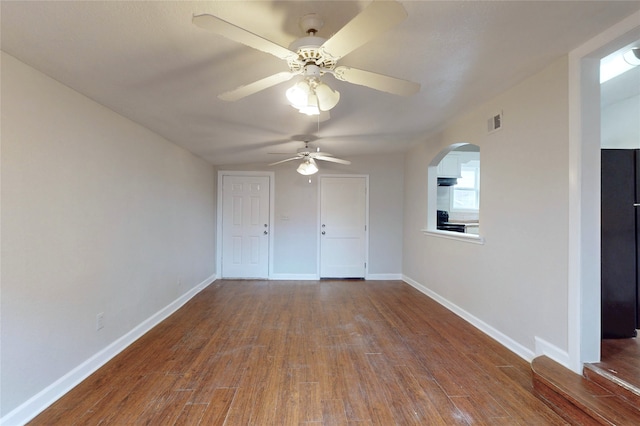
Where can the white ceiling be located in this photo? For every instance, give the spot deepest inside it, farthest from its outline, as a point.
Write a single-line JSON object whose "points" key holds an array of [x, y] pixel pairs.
{"points": [[148, 62], [624, 86]]}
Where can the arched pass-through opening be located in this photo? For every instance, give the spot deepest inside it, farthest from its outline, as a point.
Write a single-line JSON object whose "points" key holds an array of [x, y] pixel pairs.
{"points": [[453, 193]]}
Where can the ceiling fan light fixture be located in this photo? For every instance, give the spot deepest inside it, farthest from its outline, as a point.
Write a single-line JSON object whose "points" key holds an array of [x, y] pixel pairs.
{"points": [[310, 96], [618, 63], [327, 97], [632, 56], [309, 110], [307, 167], [312, 56], [298, 93], [310, 107]]}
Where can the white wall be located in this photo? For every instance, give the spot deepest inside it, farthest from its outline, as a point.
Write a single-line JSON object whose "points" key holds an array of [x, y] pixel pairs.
{"points": [[620, 123], [98, 215], [516, 283], [296, 214]]}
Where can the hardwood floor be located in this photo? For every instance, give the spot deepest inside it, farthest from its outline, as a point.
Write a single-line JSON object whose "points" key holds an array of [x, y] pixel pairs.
{"points": [[622, 358], [320, 352], [607, 393], [619, 368]]}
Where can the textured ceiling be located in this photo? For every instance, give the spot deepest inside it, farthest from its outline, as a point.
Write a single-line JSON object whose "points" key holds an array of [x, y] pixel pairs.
{"points": [[148, 62]]}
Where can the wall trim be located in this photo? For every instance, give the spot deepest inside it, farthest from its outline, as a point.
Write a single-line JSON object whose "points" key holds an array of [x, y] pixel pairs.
{"points": [[43, 399], [555, 353], [502, 338], [293, 277], [383, 277]]}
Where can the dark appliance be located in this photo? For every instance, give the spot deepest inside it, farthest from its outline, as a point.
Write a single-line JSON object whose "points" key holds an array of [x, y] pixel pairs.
{"points": [[443, 181], [444, 225], [620, 236]]}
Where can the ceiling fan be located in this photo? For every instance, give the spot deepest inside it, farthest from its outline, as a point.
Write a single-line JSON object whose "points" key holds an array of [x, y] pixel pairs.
{"points": [[308, 156], [312, 56]]}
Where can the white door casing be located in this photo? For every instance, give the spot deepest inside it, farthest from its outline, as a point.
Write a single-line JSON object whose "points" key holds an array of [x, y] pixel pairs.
{"points": [[343, 226], [245, 226]]}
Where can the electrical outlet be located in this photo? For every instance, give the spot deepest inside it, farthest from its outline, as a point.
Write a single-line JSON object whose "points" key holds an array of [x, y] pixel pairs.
{"points": [[100, 321]]}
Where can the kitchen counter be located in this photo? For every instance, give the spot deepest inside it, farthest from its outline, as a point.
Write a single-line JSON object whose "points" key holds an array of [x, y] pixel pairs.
{"points": [[469, 227]]}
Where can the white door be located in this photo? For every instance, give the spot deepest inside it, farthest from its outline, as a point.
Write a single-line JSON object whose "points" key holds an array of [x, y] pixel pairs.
{"points": [[343, 211], [245, 227]]}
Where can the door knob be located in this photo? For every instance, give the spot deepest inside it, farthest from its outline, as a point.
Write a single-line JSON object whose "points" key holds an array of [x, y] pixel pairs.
{"points": [[265, 232], [323, 232]]}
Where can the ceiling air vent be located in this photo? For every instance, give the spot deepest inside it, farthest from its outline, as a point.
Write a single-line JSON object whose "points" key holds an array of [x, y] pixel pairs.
{"points": [[494, 123]]}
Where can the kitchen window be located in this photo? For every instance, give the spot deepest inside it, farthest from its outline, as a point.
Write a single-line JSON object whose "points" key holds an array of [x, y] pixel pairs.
{"points": [[465, 194]]}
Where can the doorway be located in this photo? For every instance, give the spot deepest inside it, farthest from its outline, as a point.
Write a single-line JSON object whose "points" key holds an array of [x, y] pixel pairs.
{"points": [[343, 226], [244, 225], [584, 190]]}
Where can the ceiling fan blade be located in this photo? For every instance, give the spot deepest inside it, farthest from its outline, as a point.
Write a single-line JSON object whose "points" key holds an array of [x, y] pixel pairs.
{"points": [[284, 161], [375, 19], [377, 81], [332, 159], [235, 33], [256, 86]]}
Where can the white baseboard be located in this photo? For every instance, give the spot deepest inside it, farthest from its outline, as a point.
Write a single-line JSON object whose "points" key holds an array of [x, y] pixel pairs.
{"points": [[502, 338], [37, 403], [293, 277], [384, 277], [555, 353], [315, 277]]}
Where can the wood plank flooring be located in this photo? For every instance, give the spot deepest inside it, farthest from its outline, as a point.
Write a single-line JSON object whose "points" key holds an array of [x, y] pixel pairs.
{"points": [[622, 358], [308, 352], [580, 400], [619, 368], [607, 393]]}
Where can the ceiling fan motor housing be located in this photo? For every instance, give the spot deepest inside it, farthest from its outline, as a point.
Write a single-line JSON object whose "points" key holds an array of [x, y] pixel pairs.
{"points": [[309, 52], [304, 151]]}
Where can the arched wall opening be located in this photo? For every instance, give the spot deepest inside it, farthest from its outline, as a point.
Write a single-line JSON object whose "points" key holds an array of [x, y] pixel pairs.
{"points": [[453, 180]]}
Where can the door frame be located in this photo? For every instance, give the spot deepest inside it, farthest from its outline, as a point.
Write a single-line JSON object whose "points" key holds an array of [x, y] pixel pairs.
{"points": [[366, 219], [219, 199], [584, 192]]}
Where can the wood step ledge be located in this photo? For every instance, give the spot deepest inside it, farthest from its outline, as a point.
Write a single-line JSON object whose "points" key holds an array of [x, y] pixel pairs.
{"points": [[578, 400], [610, 379]]}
